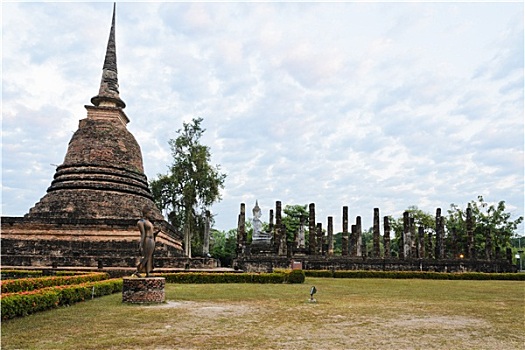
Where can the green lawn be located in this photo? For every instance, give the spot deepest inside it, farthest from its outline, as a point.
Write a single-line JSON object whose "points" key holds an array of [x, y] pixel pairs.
{"points": [[349, 314]]}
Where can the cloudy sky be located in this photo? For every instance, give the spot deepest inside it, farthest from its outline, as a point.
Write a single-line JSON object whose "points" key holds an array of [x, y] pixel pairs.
{"points": [[361, 104]]}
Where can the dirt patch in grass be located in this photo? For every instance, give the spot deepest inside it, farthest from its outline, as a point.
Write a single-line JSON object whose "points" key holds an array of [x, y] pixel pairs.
{"points": [[444, 322], [206, 309]]}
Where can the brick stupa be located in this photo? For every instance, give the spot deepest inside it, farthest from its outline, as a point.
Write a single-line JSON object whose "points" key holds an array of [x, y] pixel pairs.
{"points": [[88, 216]]}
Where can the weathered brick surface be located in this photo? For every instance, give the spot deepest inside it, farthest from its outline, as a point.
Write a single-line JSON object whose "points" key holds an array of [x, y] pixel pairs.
{"points": [[143, 290], [92, 203], [103, 139], [81, 242], [102, 175]]}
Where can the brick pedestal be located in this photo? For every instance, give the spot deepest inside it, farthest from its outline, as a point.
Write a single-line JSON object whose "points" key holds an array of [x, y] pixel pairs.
{"points": [[143, 290]]}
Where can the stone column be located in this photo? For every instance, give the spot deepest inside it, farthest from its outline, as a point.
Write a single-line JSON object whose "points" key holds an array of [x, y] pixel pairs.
{"points": [[404, 250], [270, 225], [311, 228], [353, 240], [283, 244], [320, 245], [243, 225], [359, 238], [439, 235], [429, 245], [330, 229], [471, 253], [206, 238], [344, 238], [386, 236], [413, 238], [241, 232], [442, 230], [421, 242], [376, 251], [278, 227]]}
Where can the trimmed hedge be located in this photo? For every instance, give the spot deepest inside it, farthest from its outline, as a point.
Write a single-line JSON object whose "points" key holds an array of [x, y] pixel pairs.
{"points": [[206, 277], [28, 284], [25, 303], [12, 274], [416, 274], [15, 274], [319, 273], [296, 276]]}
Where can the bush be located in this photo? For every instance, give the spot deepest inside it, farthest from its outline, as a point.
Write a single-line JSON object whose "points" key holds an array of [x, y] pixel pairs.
{"points": [[206, 277], [28, 302], [296, 276], [425, 275], [318, 273], [28, 284], [274, 277], [25, 303], [14, 274]]}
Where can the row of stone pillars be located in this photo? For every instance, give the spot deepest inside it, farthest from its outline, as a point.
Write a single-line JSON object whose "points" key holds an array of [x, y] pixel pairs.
{"points": [[411, 245], [318, 243]]}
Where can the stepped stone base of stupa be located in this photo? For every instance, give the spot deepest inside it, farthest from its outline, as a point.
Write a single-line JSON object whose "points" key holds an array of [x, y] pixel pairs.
{"points": [[83, 243]]}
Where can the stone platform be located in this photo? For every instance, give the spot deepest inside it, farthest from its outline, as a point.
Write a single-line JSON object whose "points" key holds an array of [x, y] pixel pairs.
{"points": [[143, 290], [83, 243]]}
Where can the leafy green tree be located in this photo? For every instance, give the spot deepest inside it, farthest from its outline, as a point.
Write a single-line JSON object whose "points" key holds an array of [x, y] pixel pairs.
{"points": [[367, 239], [292, 219], [490, 221], [191, 186], [223, 245], [421, 218]]}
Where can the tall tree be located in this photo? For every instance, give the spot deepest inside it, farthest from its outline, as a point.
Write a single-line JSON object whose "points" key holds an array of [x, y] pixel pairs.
{"points": [[490, 221], [192, 184]]}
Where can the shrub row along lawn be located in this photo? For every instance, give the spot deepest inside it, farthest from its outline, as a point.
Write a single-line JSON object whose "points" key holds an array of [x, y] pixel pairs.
{"points": [[416, 274], [28, 302], [14, 274], [295, 276], [28, 284]]}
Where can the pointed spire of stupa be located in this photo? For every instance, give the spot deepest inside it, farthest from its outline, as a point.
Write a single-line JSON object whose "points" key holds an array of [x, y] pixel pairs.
{"points": [[108, 94]]}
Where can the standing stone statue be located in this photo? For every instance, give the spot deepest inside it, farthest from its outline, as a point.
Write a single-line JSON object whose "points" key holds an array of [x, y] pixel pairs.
{"points": [[148, 233]]}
